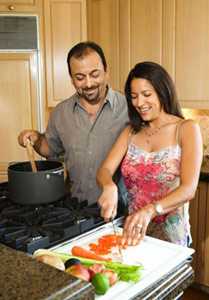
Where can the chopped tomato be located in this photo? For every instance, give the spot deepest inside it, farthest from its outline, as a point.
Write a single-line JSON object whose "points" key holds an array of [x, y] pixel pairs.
{"points": [[93, 246], [105, 244]]}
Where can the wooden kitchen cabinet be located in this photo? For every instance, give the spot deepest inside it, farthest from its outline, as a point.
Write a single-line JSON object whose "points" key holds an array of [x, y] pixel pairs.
{"points": [[129, 31], [199, 219], [103, 28], [18, 107], [13, 6], [189, 47], [174, 33], [64, 26]]}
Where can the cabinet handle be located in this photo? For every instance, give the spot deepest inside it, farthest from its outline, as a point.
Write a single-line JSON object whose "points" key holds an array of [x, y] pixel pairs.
{"points": [[11, 7]]}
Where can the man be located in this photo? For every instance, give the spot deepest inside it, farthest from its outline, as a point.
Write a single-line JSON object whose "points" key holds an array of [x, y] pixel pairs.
{"points": [[84, 127]]}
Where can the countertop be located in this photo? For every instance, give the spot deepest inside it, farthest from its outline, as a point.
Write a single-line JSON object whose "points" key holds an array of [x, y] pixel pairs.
{"points": [[24, 278]]}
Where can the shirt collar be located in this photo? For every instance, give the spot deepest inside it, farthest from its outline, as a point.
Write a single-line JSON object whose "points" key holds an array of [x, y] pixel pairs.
{"points": [[108, 99]]}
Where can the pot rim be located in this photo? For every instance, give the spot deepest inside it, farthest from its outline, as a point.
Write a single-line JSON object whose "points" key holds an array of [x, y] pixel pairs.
{"points": [[61, 167]]}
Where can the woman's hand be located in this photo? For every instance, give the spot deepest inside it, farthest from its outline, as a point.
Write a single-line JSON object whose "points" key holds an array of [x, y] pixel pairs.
{"points": [[108, 202], [136, 224]]}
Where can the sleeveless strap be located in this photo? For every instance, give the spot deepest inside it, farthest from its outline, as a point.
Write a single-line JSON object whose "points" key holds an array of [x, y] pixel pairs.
{"points": [[130, 136]]}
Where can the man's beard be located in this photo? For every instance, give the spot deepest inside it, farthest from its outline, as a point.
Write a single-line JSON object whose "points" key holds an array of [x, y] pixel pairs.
{"points": [[88, 96]]}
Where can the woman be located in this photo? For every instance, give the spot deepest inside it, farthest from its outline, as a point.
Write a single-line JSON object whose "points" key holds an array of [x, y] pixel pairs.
{"points": [[160, 155]]}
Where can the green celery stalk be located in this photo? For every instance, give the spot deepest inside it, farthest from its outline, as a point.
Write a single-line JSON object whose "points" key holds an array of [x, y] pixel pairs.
{"points": [[124, 271]]}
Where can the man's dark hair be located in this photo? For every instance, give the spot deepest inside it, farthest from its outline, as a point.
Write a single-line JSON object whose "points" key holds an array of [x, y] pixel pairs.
{"points": [[82, 49], [163, 86]]}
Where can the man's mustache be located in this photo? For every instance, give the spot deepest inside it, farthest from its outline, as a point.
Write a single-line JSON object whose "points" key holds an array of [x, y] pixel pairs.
{"points": [[90, 89]]}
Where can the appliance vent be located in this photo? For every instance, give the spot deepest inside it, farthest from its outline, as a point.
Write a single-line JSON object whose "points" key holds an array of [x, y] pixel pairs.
{"points": [[18, 32]]}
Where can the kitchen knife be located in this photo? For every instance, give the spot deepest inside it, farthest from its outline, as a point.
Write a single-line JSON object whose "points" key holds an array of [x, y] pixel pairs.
{"points": [[120, 254]]}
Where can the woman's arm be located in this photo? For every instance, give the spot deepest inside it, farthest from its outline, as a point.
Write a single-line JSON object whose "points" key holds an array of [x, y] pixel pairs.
{"points": [[109, 197], [191, 159]]}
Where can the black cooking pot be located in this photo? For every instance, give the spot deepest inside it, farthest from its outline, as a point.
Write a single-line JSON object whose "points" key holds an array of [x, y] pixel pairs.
{"points": [[44, 186]]}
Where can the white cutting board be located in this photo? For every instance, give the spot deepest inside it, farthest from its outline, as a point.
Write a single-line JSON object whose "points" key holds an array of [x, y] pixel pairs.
{"points": [[157, 257]]}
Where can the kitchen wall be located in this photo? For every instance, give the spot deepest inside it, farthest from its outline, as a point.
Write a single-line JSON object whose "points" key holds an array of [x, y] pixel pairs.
{"points": [[202, 117]]}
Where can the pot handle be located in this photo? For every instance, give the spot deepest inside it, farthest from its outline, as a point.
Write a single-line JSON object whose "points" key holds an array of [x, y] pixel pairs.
{"points": [[56, 173], [59, 172]]}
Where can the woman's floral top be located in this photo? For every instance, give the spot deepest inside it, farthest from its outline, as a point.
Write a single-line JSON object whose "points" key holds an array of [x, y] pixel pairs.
{"points": [[150, 176]]}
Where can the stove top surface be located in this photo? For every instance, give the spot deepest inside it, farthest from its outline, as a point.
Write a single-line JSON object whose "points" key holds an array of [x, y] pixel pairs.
{"points": [[28, 228]]}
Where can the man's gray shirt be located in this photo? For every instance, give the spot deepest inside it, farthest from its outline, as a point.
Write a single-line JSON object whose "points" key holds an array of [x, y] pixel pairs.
{"points": [[85, 144]]}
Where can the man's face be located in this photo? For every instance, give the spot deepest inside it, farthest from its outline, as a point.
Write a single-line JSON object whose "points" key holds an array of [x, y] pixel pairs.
{"points": [[89, 77]]}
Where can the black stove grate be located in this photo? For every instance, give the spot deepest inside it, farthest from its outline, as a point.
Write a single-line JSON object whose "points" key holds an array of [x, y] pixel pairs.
{"points": [[28, 228]]}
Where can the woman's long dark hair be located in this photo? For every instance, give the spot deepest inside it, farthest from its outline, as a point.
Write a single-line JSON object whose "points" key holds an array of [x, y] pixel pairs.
{"points": [[163, 86]]}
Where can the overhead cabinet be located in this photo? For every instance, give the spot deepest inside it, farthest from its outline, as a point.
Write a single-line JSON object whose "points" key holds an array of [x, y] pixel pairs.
{"points": [[64, 26], [174, 33], [14, 6], [103, 28]]}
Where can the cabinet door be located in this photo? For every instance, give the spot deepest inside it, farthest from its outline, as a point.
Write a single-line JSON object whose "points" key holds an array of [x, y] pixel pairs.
{"points": [[20, 5], [103, 28], [65, 25], [129, 31], [198, 220], [174, 33], [18, 102], [191, 55], [206, 277]]}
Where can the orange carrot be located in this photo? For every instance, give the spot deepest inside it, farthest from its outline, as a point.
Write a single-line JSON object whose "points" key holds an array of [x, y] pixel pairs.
{"points": [[79, 251]]}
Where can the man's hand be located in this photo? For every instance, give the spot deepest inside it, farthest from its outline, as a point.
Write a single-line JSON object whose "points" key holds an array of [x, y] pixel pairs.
{"points": [[27, 134], [108, 202]]}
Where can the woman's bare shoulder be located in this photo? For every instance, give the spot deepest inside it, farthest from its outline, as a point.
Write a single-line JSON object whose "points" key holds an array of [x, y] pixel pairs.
{"points": [[189, 128], [188, 124]]}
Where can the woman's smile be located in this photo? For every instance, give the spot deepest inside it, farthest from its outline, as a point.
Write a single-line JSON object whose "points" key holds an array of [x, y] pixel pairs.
{"points": [[145, 99]]}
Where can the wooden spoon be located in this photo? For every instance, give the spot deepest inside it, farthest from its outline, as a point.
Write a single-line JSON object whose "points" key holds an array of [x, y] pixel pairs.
{"points": [[30, 153]]}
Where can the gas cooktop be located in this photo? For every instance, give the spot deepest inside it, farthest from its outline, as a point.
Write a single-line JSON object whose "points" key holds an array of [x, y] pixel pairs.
{"points": [[27, 228]]}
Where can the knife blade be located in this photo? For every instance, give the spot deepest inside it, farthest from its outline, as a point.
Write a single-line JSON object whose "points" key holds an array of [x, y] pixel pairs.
{"points": [[120, 254]]}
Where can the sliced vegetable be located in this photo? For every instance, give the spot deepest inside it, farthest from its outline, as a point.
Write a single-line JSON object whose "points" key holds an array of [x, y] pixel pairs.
{"points": [[130, 276], [79, 271], [95, 268], [125, 272], [106, 243], [81, 252]]}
